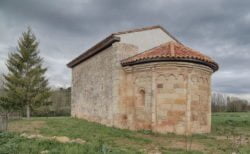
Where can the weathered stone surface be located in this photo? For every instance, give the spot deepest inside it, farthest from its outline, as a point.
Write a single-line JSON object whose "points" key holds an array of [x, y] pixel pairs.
{"points": [[92, 87], [163, 97], [177, 93]]}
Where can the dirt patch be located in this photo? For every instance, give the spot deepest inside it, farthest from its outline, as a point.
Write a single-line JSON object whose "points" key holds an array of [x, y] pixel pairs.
{"points": [[237, 140], [169, 142], [44, 152], [178, 143], [26, 126], [185, 145], [61, 139], [155, 151]]}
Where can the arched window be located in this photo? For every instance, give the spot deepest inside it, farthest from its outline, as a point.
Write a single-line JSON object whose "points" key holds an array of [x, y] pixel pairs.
{"points": [[141, 97]]}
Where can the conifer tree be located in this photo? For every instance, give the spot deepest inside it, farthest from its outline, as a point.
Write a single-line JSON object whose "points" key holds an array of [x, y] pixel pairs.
{"points": [[25, 84]]}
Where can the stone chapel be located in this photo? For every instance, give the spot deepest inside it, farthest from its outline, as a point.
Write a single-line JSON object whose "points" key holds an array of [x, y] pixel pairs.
{"points": [[143, 79]]}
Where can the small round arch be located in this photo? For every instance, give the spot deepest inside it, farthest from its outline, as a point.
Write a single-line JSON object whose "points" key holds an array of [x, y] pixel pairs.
{"points": [[142, 96]]}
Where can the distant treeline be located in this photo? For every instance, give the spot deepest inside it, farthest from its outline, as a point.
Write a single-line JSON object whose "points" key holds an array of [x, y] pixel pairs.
{"points": [[226, 103], [60, 104]]}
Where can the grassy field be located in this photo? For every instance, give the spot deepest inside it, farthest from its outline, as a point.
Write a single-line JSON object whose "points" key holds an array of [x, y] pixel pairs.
{"points": [[230, 133]]}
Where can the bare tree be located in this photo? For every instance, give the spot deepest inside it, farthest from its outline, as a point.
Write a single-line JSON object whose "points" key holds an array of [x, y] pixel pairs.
{"points": [[227, 103]]}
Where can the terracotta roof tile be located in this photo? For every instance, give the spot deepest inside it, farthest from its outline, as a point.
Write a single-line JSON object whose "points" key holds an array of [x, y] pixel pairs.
{"points": [[171, 51]]}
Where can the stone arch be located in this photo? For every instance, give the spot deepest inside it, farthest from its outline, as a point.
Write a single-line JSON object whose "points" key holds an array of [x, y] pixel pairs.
{"points": [[181, 77], [171, 77], [161, 78], [201, 80], [141, 97]]}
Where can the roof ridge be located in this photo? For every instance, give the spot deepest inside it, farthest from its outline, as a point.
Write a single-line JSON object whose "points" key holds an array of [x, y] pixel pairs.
{"points": [[137, 30]]}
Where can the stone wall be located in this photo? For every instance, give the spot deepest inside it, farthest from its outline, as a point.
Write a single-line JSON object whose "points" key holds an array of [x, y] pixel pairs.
{"points": [[163, 97], [92, 88], [200, 97], [177, 97], [95, 89], [171, 99], [121, 114]]}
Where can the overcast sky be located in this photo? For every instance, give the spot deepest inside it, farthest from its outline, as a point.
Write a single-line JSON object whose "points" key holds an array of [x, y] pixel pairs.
{"points": [[66, 28]]}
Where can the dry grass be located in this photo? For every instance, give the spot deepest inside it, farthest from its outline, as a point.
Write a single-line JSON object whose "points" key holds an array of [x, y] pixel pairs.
{"points": [[26, 126]]}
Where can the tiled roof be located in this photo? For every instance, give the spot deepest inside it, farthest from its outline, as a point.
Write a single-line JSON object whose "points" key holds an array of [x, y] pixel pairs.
{"points": [[171, 51]]}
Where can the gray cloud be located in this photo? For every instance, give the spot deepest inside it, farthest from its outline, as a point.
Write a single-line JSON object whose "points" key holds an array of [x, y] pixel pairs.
{"points": [[219, 28]]}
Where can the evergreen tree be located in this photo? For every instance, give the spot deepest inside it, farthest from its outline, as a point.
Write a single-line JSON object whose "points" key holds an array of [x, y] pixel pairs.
{"points": [[25, 84]]}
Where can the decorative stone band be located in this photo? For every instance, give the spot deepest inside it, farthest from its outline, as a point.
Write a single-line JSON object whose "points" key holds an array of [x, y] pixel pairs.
{"points": [[172, 52], [213, 66]]}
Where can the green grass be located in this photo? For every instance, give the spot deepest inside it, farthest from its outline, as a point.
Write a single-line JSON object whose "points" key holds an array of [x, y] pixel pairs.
{"points": [[228, 123], [102, 139], [12, 143], [75, 128]]}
